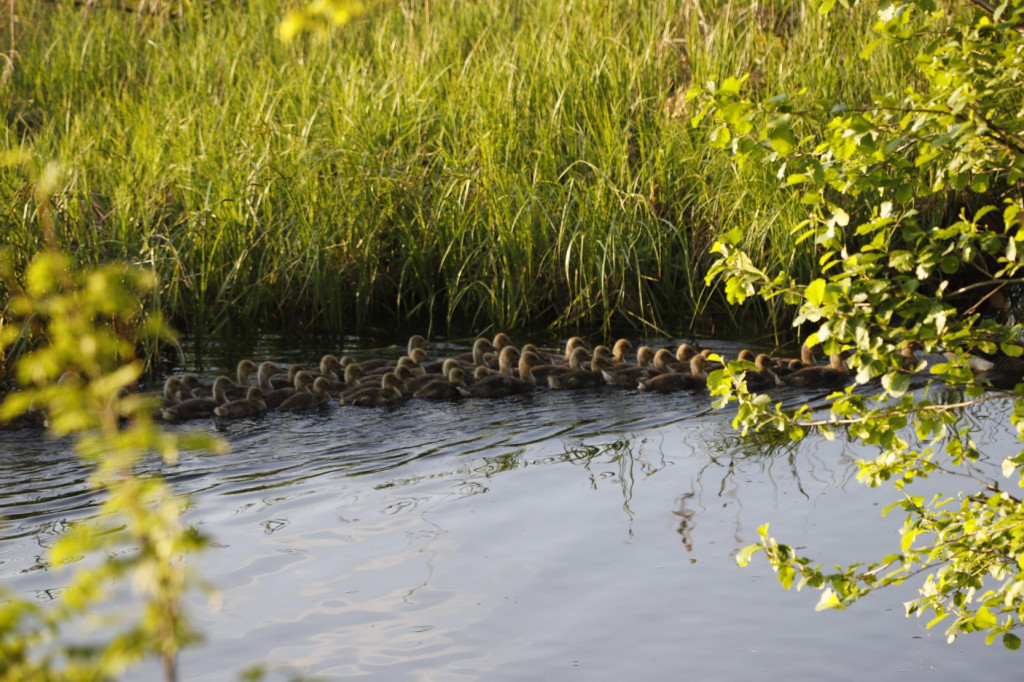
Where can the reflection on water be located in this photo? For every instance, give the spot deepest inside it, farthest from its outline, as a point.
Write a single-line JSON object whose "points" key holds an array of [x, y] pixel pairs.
{"points": [[556, 535]]}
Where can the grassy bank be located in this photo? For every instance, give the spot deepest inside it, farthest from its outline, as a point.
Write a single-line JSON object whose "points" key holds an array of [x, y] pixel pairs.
{"points": [[442, 164]]}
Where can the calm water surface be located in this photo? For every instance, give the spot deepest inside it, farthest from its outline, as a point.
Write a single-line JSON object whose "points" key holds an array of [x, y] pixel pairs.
{"points": [[560, 535]]}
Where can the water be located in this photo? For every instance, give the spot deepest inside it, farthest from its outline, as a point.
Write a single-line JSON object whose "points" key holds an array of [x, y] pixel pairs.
{"points": [[569, 536]]}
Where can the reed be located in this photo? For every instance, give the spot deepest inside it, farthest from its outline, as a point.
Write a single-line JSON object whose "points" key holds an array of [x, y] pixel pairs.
{"points": [[512, 164]]}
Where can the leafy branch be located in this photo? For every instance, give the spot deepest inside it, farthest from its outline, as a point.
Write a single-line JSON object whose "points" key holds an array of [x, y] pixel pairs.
{"points": [[902, 214]]}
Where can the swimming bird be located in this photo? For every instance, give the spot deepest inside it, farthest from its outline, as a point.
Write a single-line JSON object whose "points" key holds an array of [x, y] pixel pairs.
{"points": [[787, 365], [415, 342], [266, 370], [476, 358], [279, 382], [999, 371], [198, 408], [746, 355], [664, 361], [251, 406], [627, 375], [835, 375], [404, 361], [579, 377], [684, 352], [501, 339], [302, 380], [388, 392], [330, 369], [415, 383], [300, 402], [620, 350], [571, 344], [499, 386], [443, 389], [170, 395], [764, 377], [507, 357], [670, 382]]}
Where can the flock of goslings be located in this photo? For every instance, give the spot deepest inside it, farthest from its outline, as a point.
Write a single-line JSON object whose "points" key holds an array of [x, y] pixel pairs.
{"points": [[494, 368]]}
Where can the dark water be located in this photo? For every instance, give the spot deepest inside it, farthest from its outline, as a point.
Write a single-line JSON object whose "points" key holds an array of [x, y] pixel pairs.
{"points": [[569, 536]]}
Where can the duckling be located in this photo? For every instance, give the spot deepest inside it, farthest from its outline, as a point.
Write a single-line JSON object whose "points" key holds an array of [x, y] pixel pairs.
{"points": [[671, 382], [418, 356], [416, 342], [353, 376], [793, 365], [193, 387], [32, 418], [645, 356], [620, 350], [389, 392], [579, 377], [251, 406], [244, 371], [684, 352], [365, 365], [665, 362], [264, 373], [604, 354], [443, 389], [278, 383], [272, 399], [764, 377], [572, 344], [330, 369], [170, 395], [627, 375], [198, 408], [1001, 371], [476, 358], [234, 391], [545, 358], [415, 383], [507, 357], [300, 402], [806, 359], [909, 359], [499, 386], [404, 375], [710, 365], [548, 368], [404, 361], [835, 375], [746, 355], [501, 339]]}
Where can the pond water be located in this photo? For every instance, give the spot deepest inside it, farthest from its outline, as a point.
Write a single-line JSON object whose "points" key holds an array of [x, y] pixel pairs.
{"points": [[558, 535]]}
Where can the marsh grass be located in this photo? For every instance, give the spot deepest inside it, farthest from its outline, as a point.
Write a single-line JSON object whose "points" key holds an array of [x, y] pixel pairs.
{"points": [[440, 165]]}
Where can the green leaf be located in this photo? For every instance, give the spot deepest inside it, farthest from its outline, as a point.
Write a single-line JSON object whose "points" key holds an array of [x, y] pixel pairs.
{"points": [[780, 135], [1011, 641], [731, 86], [815, 292], [744, 555], [825, 6], [896, 383], [828, 600]]}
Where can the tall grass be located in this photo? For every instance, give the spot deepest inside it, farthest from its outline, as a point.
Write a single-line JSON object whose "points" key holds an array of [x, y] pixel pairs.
{"points": [[481, 164]]}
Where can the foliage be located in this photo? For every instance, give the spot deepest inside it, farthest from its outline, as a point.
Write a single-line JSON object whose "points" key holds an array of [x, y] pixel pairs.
{"points": [[460, 164], [915, 211], [84, 329], [320, 16]]}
